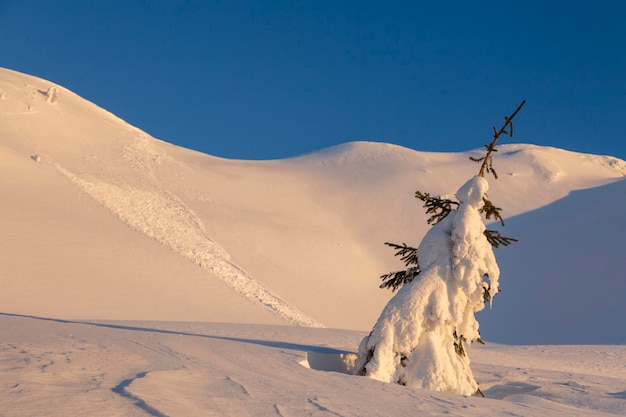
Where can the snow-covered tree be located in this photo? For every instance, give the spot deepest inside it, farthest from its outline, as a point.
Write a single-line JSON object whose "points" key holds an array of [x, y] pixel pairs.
{"points": [[419, 339], [419, 336]]}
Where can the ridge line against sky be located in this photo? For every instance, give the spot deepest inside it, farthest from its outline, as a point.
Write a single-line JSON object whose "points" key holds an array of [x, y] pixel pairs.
{"points": [[274, 79]]}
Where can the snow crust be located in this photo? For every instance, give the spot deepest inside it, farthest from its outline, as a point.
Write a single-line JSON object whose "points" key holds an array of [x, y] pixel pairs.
{"points": [[53, 367]]}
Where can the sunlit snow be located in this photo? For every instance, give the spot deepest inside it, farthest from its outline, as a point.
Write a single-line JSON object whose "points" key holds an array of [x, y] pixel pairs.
{"points": [[140, 278]]}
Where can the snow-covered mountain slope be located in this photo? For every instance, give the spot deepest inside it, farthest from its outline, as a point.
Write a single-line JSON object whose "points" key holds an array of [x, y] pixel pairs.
{"points": [[565, 279], [106, 222]]}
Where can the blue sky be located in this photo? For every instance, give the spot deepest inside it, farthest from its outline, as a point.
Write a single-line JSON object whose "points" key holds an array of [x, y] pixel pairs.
{"points": [[272, 79]]}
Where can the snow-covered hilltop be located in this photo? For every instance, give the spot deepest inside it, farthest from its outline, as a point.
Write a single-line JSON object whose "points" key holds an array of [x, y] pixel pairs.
{"points": [[104, 221], [123, 170]]}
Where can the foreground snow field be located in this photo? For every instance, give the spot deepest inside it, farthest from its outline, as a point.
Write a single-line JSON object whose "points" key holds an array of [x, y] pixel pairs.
{"points": [[52, 367], [122, 254]]}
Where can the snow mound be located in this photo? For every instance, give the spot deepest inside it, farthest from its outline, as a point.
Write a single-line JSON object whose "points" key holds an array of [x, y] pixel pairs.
{"points": [[330, 362]]}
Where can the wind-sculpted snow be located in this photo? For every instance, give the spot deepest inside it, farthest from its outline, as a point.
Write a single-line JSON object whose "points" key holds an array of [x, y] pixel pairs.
{"points": [[165, 218], [64, 368]]}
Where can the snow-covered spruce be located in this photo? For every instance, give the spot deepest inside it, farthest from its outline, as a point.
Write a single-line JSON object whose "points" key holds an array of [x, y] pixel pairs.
{"points": [[418, 339]]}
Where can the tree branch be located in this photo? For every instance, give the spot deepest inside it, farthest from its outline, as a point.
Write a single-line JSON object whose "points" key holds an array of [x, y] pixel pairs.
{"points": [[486, 160]]}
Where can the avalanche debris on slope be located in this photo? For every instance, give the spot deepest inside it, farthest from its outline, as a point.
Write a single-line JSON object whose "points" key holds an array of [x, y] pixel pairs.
{"points": [[115, 164], [162, 216]]}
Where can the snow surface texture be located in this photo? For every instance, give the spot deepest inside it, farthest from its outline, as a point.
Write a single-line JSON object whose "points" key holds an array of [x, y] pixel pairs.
{"points": [[78, 368], [308, 229], [413, 341]]}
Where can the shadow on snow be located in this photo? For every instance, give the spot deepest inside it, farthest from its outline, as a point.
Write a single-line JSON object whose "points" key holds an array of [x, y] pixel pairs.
{"points": [[318, 357]]}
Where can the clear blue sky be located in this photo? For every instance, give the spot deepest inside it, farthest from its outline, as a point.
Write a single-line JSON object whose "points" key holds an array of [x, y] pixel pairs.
{"points": [[271, 79]]}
